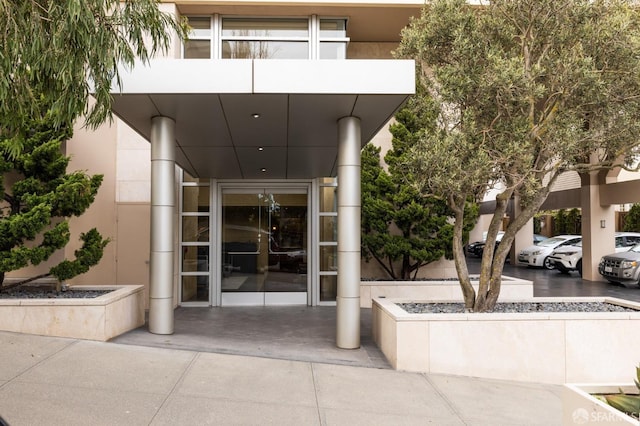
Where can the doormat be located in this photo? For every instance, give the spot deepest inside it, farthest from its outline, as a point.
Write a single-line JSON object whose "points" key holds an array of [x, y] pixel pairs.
{"points": [[232, 283]]}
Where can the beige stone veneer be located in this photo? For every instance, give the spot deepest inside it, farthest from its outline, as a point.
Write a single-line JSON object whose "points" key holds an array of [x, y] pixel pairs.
{"points": [[100, 318], [541, 347], [512, 288]]}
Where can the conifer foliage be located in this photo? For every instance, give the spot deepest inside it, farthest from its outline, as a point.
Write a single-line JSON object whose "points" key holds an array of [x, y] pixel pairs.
{"points": [[39, 199]]}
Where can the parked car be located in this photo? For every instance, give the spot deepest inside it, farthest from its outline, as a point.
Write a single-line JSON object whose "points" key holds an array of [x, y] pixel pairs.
{"points": [[623, 267], [477, 247], [538, 255], [569, 258]]}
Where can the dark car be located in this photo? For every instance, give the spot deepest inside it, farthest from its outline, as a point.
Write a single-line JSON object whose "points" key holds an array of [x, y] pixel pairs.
{"points": [[477, 248]]}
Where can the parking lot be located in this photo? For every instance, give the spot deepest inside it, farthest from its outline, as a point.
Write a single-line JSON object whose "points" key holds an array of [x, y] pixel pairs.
{"points": [[554, 284]]}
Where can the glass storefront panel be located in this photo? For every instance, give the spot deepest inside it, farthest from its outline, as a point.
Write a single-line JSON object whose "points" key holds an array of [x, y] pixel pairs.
{"points": [[328, 228], [264, 242], [328, 199], [328, 288], [195, 288], [329, 258], [195, 229], [265, 50], [195, 199], [195, 259]]}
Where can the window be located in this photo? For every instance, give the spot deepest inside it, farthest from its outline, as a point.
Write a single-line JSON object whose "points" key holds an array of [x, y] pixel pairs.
{"points": [[266, 38]]}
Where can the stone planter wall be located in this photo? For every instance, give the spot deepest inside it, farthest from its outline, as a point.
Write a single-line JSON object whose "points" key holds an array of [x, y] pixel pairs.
{"points": [[531, 347], [100, 318], [579, 407], [512, 288]]}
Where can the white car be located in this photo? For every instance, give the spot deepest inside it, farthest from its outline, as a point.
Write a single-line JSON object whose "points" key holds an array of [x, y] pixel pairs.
{"points": [[569, 258], [538, 255]]}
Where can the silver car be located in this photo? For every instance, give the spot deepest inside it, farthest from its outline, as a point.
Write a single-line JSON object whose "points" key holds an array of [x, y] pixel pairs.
{"points": [[621, 267]]}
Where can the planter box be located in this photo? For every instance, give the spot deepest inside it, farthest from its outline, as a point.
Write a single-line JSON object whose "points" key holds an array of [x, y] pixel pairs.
{"points": [[100, 318], [543, 347], [512, 288], [580, 407]]}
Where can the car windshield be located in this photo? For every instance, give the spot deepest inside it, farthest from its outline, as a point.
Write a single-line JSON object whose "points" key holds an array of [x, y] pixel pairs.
{"points": [[553, 241]]}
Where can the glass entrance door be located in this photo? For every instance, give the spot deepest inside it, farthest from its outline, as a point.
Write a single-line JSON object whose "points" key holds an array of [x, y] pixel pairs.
{"points": [[264, 246]]}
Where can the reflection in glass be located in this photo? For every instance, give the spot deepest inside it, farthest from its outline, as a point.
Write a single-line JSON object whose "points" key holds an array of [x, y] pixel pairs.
{"points": [[334, 28], [333, 50], [264, 240], [195, 288], [328, 199], [195, 199], [195, 229], [329, 258], [261, 27], [200, 26], [328, 288], [195, 259], [329, 229], [197, 49], [265, 50]]}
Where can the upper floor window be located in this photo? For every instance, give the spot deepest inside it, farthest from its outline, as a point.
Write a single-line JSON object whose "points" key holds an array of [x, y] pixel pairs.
{"points": [[266, 38]]}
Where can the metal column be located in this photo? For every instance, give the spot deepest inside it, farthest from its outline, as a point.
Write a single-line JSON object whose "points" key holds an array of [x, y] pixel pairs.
{"points": [[163, 203], [349, 207]]}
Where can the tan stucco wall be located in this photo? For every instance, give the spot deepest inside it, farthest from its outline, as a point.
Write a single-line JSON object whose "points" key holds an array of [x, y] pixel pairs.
{"points": [[95, 151]]}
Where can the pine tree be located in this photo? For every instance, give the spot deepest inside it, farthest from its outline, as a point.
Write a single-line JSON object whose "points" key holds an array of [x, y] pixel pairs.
{"points": [[401, 229], [39, 199]]}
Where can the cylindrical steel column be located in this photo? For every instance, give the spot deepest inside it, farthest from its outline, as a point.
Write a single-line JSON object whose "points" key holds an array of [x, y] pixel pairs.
{"points": [[348, 298], [163, 201]]}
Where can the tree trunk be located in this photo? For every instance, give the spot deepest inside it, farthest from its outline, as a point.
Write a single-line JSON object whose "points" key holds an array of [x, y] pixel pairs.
{"points": [[468, 292]]}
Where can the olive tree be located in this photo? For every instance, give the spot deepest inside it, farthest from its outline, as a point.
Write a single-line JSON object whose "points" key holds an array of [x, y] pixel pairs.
{"points": [[525, 90]]}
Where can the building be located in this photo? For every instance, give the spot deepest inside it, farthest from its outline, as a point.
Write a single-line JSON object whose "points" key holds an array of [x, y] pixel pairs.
{"points": [[223, 165], [221, 168]]}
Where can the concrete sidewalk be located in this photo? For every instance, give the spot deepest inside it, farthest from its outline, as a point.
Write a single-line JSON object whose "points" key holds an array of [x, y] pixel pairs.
{"points": [[56, 381]]}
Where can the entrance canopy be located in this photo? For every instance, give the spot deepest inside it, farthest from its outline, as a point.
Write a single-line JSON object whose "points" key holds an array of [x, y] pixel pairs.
{"points": [[262, 119]]}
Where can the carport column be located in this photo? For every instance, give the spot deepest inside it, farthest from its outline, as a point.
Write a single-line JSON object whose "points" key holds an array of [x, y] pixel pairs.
{"points": [[162, 227], [348, 298], [598, 225]]}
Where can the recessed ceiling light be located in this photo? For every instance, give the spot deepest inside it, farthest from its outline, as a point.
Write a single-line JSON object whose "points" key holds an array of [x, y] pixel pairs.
{"points": [[260, 148], [255, 115], [264, 169]]}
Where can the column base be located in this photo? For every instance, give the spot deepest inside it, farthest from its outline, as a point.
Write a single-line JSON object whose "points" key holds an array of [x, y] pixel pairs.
{"points": [[348, 322], [161, 316]]}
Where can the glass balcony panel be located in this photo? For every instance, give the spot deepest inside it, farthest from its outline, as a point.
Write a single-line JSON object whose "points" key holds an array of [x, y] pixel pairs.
{"points": [[197, 49], [333, 50], [335, 28], [260, 27], [265, 50], [200, 26]]}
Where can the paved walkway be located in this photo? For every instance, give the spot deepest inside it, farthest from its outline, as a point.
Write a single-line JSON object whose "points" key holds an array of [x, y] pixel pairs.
{"points": [[56, 381]]}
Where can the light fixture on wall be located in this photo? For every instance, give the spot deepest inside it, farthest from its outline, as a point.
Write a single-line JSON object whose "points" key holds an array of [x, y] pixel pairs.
{"points": [[603, 223]]}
